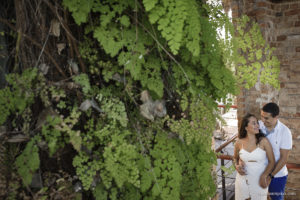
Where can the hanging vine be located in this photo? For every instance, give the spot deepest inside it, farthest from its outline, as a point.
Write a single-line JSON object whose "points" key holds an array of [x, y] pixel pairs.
{"points": [[135, 121]]}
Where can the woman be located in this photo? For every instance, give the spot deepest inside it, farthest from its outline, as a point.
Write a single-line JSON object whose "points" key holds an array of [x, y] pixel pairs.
{"points": [[254, 160]]}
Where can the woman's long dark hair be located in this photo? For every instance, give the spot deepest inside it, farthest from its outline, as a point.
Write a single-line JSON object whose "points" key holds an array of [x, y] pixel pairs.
{"points": [[244, 124]]}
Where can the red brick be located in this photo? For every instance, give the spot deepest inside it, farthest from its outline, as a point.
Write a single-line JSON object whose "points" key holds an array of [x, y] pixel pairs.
{"points": [[292, 12], [297, 49], [235, 14], [298, 111], [241, 99], [269, 12], [262, 4], [294, 91], [280, 57], [294, 75], [260, 12], [234, 7], [263, 25], [272, 6], [285, 7], [295, 64], [294, 6], [257, 12], [285, 24], [273, 44], [281, 38]]}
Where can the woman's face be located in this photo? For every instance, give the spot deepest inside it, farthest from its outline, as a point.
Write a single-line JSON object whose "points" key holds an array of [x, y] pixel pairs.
{"points": [[252, 127]]}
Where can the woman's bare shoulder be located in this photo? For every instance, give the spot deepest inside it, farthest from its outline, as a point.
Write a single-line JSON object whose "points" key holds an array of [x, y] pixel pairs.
{"points": [[238, 142], [264, 141]]}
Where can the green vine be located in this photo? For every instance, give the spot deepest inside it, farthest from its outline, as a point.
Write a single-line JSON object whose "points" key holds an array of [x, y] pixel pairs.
{"points": [[20, 96], [139, 122], [254, 59]]}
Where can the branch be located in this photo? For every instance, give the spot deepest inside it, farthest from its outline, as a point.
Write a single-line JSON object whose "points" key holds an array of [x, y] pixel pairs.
{"points": [[69, 37], [67, 29], [4, 21]]}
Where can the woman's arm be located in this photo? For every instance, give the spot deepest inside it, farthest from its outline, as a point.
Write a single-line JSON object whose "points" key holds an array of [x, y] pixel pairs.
{"points": [[265, 179], [236, 152], [238, 164]]}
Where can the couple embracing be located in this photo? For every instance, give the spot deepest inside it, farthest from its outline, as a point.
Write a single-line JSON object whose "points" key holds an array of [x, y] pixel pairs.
{"points": [[260, 156]]}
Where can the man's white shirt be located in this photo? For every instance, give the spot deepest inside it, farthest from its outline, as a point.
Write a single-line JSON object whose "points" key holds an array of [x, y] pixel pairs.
{"points": [[280, 138]]}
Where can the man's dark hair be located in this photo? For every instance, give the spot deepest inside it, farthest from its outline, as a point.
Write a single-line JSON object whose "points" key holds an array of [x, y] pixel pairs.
{"points": [[271, 108]]}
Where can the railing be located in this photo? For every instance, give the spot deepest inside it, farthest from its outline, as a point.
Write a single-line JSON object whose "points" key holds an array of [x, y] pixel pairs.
{"points": [[230, 158], [223, 158], [220, 173]]}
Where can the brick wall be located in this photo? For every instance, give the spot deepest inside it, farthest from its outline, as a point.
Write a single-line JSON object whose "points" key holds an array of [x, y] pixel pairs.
{"points": [[280, 24]]}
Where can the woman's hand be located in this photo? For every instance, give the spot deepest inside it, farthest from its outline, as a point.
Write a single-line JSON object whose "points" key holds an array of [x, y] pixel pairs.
{"points": [[240, 167]]}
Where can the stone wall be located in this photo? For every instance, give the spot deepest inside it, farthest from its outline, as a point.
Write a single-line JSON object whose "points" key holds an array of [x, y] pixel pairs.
{"points": [[280, 24]]}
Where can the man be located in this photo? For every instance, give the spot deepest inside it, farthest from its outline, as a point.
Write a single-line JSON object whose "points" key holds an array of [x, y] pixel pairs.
{"points": [[280, 138]]}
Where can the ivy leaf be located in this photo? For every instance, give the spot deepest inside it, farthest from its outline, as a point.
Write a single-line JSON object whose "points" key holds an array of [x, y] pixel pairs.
{"points": [[80, 9], [100, 193], [153, 17], [28, 162], [109, 40], [149, 4], [156, 190], [146, 181], [258, 54], [83, 81], [124, 20], [76, 140], [52, 145]]}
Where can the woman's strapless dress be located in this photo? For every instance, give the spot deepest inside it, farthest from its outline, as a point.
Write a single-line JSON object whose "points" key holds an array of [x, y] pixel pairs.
{"points": [[247, 186]]}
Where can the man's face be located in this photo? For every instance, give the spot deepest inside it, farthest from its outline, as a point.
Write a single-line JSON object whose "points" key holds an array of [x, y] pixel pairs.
{"points": [[268, 120]]}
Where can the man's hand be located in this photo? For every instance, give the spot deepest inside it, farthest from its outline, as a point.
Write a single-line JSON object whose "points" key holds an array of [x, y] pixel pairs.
{"points": [[240, 167], [264, 181]]}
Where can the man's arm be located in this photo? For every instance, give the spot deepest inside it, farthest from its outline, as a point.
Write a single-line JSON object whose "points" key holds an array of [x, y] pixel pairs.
{"points": [[265, 180], [284, 155]]}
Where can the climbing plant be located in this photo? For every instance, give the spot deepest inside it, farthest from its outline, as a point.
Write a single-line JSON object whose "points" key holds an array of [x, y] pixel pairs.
{"points": [[253, 58], [139, 113]]}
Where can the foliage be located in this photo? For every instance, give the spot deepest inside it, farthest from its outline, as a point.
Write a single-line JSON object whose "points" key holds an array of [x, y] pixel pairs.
{"points": [[120, 161], [19, 96], [114, 108], [228, 171], [57, 131], [254, 59], [202, 121], [28, 162], [168, 48], [52, 135], [83, 81], [80, 9]]}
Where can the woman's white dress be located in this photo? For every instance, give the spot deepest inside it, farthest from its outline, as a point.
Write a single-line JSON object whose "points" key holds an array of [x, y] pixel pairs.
{"points": [[247, 186]]}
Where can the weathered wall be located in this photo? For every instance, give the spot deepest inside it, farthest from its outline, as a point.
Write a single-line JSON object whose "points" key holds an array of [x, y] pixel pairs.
{"points": [[280, 25]]}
